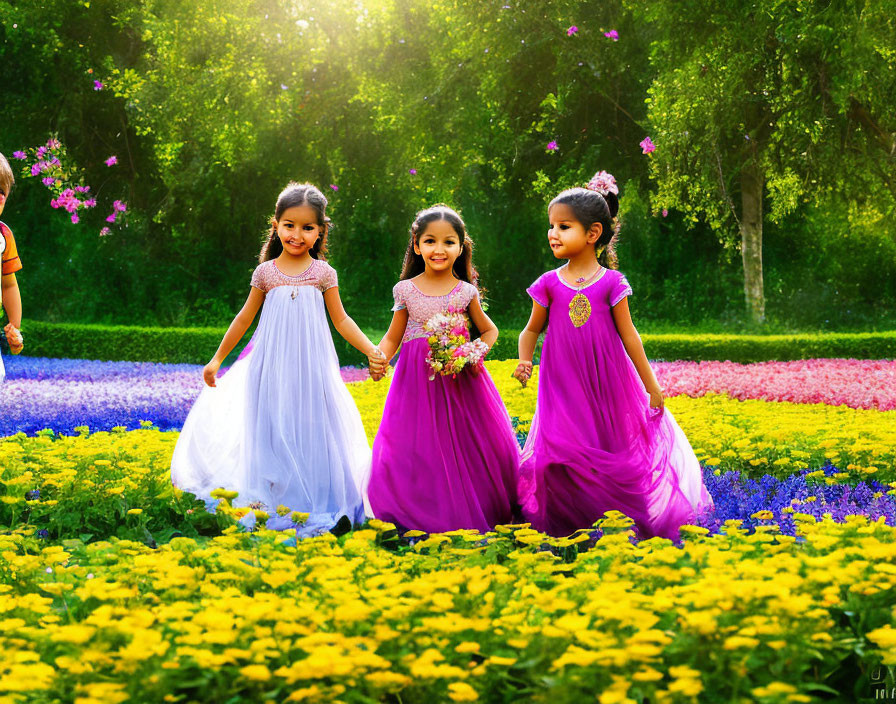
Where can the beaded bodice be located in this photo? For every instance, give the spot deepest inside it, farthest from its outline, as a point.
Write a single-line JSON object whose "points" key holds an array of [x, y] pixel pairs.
{"points": [[268, 276], [421, 307]]}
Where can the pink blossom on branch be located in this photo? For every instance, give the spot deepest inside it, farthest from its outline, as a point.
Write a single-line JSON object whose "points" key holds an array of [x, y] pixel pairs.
{"points": [[112, 160], [98, 85], [647, 145], [552, 146], [572, 30], [612, 34]]}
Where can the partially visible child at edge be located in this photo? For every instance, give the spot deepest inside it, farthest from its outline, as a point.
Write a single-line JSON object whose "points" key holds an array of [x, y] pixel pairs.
{"points": [[601, 438], [445, 456], [280, 427], [10, 298]]}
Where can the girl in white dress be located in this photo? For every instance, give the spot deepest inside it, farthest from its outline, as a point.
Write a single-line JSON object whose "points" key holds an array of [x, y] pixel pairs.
{"points": [[280, 427]]}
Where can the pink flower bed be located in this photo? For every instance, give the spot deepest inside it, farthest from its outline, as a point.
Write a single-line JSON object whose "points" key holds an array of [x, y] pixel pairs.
{"points": [[856, 383]]}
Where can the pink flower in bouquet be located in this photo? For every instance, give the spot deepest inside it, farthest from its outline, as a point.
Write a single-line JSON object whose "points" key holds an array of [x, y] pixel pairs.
{"points": [[19, 155]]}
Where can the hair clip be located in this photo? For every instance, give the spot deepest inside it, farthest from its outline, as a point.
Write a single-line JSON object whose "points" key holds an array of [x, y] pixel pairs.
{"points": [[603, 183]]}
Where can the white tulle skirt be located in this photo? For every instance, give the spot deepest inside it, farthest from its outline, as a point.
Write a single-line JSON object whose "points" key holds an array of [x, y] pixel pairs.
{"points": [[280, 427]]}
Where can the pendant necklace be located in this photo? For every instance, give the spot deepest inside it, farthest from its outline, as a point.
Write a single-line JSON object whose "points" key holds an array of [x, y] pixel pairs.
{"points": [[296, 284], [579, 306]]}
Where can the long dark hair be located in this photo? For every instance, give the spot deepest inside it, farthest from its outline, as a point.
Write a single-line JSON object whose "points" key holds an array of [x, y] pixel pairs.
{"points": [[590, 207], [463, 266], [294, 195]]}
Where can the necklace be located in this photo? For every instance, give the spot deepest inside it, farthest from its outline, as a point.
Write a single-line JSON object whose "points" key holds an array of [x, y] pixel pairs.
{"points": [[298, 279], [579, 306]]}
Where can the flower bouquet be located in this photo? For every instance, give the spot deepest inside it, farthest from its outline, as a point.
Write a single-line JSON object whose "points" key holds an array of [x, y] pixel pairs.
{"points": [[450, 348]]}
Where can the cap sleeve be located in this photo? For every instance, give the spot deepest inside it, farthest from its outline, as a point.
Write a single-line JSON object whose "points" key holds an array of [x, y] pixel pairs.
{"points": [[472, 293], [9, 255], [539, 291], [619, 289], [258, 278], [398, 291], [328, 278]]}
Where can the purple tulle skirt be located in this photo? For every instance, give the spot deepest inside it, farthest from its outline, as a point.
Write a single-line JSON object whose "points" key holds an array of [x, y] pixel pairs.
{"points": [[445, 456], [595, 444]]}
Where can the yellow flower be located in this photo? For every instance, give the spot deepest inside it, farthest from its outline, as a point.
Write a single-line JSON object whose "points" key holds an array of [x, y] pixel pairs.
{"points": [[462, 692], [258, 673], [135, 511]]}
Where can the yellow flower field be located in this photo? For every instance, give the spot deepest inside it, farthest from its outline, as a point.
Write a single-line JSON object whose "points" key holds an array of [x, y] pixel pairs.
{"points": [[244, 617]]}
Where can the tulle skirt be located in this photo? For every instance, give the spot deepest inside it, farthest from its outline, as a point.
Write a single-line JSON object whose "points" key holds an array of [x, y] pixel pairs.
{"points": [[445, 456], [280, 427], [595, 445]]}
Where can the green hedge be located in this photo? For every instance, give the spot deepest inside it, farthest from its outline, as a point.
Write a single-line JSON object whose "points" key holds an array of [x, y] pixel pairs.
{"points": [[196, 345]]}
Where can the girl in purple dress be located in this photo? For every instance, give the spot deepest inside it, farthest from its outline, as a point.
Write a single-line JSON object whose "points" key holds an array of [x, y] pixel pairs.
{"points": [[600, 439], [445, 456]]}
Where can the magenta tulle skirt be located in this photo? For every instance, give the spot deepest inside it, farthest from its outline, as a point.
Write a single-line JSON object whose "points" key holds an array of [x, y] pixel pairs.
{"points": [[595, 445], [445, 456]]}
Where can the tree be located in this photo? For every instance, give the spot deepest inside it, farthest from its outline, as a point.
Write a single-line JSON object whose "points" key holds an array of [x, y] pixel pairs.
{"points": [[758, 106]]}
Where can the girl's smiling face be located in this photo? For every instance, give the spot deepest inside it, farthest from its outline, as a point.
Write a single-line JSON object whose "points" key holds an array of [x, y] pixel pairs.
{"points": [[567, 237], [298, 229], [439, 245]]}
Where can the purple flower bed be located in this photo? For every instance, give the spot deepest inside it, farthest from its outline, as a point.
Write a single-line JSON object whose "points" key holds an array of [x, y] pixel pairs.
{"points": [[63, 394], [738, 497]]}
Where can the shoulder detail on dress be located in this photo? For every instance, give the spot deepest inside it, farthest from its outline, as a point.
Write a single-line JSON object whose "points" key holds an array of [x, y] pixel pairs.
{"points": [[260, 276], [326, 274]]}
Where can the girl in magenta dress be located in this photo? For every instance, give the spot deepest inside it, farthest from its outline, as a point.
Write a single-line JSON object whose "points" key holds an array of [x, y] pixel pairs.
{"points": [[445, 456], [601, 438]]}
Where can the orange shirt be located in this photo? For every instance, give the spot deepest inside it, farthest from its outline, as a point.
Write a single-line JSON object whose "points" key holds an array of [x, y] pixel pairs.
{"points": [[10, 255]]}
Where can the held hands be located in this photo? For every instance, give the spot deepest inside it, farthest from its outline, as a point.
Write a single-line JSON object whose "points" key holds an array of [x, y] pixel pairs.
{"points": [[210, 372], [523, 372], [377, 363], [14, 338]]}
